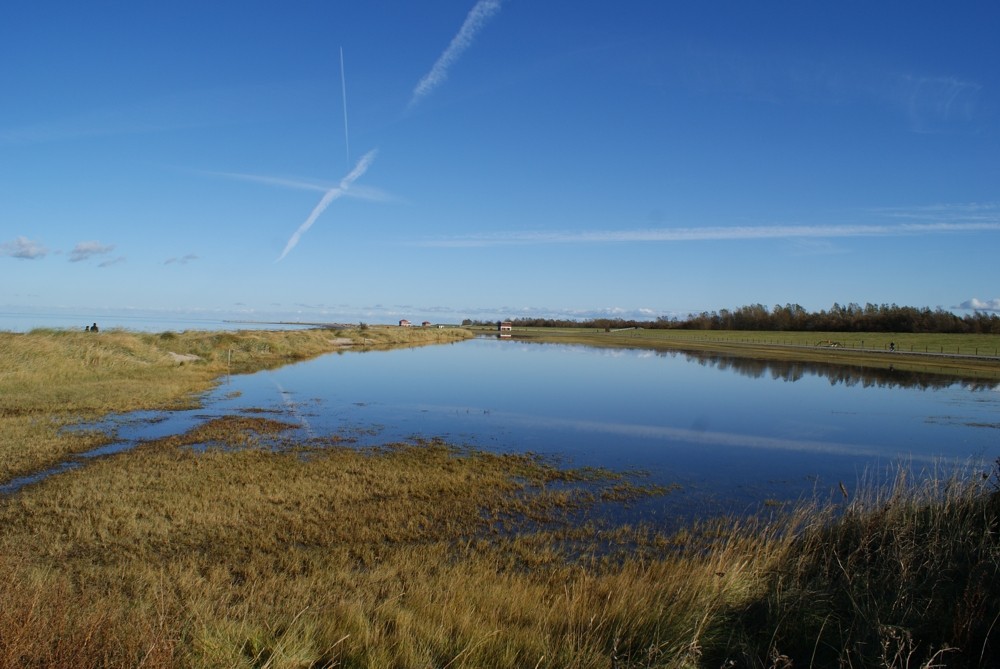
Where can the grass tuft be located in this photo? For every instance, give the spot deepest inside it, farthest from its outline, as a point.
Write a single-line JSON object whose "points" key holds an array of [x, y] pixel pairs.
{"points": [[908, 576]]}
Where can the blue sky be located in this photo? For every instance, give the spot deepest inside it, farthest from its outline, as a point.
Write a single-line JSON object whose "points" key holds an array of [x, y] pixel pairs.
{"points": [[496, 159]]}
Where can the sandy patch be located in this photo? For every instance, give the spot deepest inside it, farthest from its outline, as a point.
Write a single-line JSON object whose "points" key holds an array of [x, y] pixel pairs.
{"points": [[342, 341], [182, 357]]}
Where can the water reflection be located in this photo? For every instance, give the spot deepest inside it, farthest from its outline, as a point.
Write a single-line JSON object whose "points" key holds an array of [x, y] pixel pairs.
{"points": [[848, 375], [721, 427], [793, 370]]}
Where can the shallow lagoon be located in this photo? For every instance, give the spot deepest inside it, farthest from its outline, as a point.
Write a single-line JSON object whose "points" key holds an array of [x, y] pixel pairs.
{"points": [[729, 432]]}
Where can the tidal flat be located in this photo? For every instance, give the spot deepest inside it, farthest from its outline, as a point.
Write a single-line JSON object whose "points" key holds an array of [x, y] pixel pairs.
{"points": [[232, 545]]}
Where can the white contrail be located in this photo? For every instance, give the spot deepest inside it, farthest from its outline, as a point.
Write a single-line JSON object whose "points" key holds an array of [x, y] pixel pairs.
{"points": [[271, 181], [476, 19], [328, 197], [343, 90]]}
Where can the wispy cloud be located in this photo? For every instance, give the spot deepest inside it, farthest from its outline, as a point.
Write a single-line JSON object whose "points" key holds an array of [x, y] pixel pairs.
{"points": [[709, 234], [183, 260], [953, 212], [937, 104], [23, 248], [922, 102], [337, 191], [624, 313], [388, 313], [87, 250], [112, 262], [474, 21], [975, 304]]}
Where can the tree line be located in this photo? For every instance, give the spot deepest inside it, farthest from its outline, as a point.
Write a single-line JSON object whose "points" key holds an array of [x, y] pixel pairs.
{"points": [[793, 317]]}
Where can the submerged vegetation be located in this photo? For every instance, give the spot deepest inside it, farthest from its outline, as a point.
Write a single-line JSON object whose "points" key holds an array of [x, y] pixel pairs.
{"points": [[235, 546]]}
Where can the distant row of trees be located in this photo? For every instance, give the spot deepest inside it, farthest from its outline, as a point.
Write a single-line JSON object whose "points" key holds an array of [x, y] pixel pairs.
{"points": [[844, 318], [793, 317]]}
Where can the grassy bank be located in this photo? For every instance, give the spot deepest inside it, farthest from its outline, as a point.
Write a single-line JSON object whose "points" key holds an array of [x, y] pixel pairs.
{"points": [[233, 546], [906, 577], [53, 378], [978, 355]]}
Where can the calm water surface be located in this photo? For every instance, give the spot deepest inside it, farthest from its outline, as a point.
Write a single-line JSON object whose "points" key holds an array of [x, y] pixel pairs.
{"points": [[730, 432]]}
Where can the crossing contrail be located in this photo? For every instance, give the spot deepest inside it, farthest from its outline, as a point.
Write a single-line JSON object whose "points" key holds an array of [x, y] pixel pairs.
{"points": [[357, 192], [343, 90], [475, 20], [328, 197]]}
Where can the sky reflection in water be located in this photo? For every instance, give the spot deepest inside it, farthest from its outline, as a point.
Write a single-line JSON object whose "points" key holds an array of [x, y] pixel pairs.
{"points": [[723, 428]]}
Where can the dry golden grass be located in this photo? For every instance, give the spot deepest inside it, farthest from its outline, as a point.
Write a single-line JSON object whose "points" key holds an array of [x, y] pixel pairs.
{"points": [[907, 576], [53, 378], [248, 554]]}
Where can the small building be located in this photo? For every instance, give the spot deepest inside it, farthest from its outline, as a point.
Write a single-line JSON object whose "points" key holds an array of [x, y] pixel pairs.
{"points": [[405, 323], [505, 328], [426, 324]]}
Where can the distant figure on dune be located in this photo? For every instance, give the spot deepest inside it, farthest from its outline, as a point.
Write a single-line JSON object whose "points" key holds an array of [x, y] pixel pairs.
{"points": [[93, 328], [86, 328]]}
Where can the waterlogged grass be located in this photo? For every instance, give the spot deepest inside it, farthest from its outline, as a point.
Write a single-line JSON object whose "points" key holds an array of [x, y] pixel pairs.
{"points": [[244, 554], [53, 378], [234, 546], [229, 547]]}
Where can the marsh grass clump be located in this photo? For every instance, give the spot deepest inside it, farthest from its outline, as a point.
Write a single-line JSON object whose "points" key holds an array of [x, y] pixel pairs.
{"points": [[232, 432], [908, 576], [244, 555]]}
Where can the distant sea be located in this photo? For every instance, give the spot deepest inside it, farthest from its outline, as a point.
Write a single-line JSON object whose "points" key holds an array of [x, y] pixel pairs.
{"points": [[11, 321]]}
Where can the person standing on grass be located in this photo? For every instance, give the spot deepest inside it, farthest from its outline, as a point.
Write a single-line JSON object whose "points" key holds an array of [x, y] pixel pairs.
{"points": [[93, 328]]}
